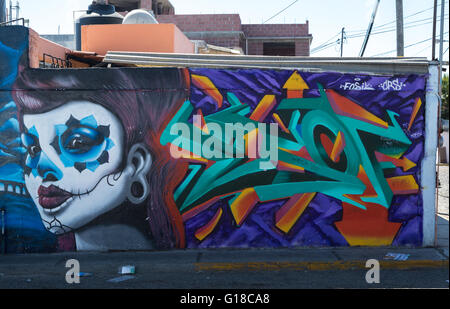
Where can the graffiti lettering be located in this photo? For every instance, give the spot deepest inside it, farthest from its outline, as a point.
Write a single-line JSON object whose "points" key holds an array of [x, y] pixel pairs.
{"points": [[335, 165], [357, 85], [392, 85], [236, 141]]}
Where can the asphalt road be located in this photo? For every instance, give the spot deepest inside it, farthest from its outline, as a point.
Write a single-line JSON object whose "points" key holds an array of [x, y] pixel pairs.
{"points": [[166, 279], [222, 269], [429, 278]]}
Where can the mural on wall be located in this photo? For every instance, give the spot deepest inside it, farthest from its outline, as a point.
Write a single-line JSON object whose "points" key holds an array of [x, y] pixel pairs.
{"points": [[24, 231], [94, 165], [348, 168], [139, 158]]}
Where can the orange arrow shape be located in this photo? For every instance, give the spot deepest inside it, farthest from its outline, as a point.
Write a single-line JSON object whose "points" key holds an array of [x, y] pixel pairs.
{"points": [[295, 86], [264, 107], [243, 205], [204, 231], [416, 108], [346, 107], [404, 162], [369, 227], [292, 210], [205, 84]]}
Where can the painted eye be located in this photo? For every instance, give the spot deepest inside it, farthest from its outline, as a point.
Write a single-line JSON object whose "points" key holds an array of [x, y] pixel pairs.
{"points": [[81, 140], [76, 142], [34, 150], [32, 144]]}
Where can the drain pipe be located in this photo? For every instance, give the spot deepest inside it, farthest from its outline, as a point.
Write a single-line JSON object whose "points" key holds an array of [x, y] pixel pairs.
{"points": [[3, 210]]}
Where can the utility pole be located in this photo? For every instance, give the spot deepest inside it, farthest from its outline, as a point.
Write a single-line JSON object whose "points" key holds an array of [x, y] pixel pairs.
{"points": [[342, 41], [433, 47], [17, 11], [400, 41], [3, 15], [441, 45], [16, 8]]}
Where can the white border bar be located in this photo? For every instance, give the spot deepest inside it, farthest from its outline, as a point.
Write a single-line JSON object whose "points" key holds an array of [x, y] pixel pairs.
{"points": [[428, 173]]}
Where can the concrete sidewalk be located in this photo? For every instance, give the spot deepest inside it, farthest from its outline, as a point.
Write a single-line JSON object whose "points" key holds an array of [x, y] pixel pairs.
{"points": [[238, 259], [442, 230], [225, 268]]}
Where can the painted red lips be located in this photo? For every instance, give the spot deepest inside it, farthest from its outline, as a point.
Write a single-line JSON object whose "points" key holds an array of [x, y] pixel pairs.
{"points": [[52, 196]]}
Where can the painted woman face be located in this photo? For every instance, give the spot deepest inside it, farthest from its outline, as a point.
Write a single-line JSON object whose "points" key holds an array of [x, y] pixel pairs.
{"points": [[73, 155]]}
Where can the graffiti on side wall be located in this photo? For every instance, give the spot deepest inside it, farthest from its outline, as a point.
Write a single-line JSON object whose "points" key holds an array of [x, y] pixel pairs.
{"points": [[339, 171], [138, 158], [24, 229]]}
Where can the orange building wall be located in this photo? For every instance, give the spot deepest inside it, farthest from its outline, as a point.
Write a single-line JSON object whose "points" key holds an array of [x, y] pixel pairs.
{"points": [[182, 44], [165, 38], [40, 46]]}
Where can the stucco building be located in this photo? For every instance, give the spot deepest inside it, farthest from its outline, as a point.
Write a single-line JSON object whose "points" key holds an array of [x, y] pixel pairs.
{"points": [[227, 30]]}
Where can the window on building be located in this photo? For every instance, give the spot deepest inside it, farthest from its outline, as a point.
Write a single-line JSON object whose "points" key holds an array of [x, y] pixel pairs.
{"points": [[279, 49]]}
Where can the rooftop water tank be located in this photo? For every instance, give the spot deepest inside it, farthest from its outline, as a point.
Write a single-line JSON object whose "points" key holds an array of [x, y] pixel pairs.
{"points": [[139, 16], [98, 13]]}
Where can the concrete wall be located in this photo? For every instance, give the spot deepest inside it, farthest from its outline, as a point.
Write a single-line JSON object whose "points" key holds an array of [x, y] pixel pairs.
{"points": [[38, 46], [258, 34], [204, 22], [276, 30], [216, 29], [143, 158], [226, 30]]}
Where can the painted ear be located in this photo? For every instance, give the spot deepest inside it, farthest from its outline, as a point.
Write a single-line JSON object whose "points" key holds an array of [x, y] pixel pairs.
{"points": [[139, 160]]}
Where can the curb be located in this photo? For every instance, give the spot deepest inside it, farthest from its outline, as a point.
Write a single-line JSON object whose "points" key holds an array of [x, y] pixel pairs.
{"points": [[318, 266]]}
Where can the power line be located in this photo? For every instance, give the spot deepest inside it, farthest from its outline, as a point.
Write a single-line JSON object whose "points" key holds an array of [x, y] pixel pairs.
{"points": [[281, 11], [378, 30], [407, 26], [326, 42], [388, 29], [328, 45], [335, 36], [391, 22], [414, 44], [424, 49], [325, 47]]}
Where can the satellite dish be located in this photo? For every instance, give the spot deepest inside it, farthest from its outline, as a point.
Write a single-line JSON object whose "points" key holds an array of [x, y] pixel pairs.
{"points": [[139, 17]]}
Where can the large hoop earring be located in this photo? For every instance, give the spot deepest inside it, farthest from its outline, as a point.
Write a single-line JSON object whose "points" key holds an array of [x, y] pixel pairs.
{"points": [[138, 191]]}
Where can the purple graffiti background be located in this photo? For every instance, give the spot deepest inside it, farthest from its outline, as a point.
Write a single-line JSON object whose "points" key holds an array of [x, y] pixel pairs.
{"points": [[316, 225]]}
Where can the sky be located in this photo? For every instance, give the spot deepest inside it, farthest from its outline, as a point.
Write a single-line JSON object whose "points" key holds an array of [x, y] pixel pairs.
{"points": [[326, 19]]}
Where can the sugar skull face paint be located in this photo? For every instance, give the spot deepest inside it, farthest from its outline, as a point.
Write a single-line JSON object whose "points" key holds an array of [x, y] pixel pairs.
{"points": [[73, 165], [83, 143]]}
